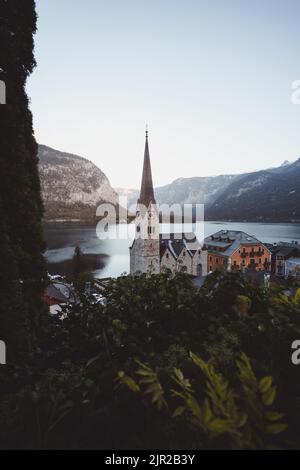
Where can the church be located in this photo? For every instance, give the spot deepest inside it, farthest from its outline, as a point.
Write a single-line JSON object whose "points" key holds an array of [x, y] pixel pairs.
{"points": [[154, 252]]}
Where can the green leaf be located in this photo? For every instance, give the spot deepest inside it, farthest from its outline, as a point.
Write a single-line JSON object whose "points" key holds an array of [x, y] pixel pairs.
{"points": [[179, 411], [265, 383], [242, 420], [276, 428], [152, 388], [94, 359], [269, 396], [206, 411], [274, 416]]}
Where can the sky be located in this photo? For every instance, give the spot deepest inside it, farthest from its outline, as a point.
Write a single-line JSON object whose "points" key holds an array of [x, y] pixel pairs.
{"points": [[212, 78]]}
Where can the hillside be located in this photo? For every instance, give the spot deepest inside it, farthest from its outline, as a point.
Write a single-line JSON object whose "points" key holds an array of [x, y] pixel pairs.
{"points": [[267, 196], [72, 186], [271, 195], [186, 190]]}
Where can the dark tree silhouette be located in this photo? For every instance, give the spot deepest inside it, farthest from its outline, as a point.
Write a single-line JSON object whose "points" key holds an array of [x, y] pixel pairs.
{"points": [[22, 272]]}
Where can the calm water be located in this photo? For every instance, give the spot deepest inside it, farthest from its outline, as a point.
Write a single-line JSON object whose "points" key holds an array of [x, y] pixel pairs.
{"points": [[110, 258]]}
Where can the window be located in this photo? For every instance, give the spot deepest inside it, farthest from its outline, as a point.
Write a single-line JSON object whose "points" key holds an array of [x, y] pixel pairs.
{"points": [[217, 260], [183, 253], [259, 260], [138, 229], [210, 258], [167, 255]]}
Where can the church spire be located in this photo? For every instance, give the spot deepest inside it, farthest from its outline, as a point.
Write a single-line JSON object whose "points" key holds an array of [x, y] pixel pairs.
{"points": [[147, 192]]}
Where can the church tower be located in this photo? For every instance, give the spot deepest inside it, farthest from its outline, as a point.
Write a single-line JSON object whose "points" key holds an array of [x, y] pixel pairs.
{"points": [[145, 252]]}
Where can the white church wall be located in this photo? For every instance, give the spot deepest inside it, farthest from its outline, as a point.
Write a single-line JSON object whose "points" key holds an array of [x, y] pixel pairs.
{"points": [[200, 259], [185, 262], [168, 262]]}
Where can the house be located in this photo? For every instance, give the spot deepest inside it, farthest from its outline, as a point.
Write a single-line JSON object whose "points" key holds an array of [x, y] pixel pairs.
{"points": [[154, 252], [231, 250], [57, 294], [182, 253], [285, 259]]}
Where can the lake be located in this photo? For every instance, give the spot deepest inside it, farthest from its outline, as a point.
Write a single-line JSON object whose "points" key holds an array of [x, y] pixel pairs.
{"points": [[110, 258]]}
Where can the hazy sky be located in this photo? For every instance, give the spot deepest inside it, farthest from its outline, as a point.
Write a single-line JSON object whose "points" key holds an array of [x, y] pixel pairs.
{"points": [[211, 77]]}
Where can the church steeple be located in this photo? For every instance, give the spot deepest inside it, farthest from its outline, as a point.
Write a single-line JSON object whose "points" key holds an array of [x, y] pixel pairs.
{"points": [[147, 192]]}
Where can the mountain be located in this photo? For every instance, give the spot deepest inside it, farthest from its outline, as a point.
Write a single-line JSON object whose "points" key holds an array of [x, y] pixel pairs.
{"points": [[194, 190], [185, 190], [72, 186], [264, 196], [271, 195], [131, 196]]}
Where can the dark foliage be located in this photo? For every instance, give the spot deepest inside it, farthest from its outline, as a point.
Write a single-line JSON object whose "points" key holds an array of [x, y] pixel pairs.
{"points": [[84, 391], [21, 243]]}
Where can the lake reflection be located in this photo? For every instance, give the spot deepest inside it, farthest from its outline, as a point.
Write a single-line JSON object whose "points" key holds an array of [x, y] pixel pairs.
{"points": [[110, 257]]}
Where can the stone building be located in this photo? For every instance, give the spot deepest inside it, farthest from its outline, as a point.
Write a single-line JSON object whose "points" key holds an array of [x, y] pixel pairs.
{"points": [[155, 252]]}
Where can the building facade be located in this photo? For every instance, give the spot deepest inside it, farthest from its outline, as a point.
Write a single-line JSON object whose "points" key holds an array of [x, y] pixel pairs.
{"points": [[230, 250], [153, 252], [285, 259]]}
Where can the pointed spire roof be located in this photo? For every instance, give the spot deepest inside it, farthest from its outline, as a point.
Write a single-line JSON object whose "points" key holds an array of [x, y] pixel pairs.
{"points": [[147, 192]]}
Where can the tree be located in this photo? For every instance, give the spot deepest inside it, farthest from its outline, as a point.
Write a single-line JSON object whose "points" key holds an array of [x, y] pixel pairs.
{"points": [[23, 271]]}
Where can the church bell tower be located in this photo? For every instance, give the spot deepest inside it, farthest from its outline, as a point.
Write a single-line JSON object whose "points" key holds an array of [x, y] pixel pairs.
{"points": [[144, 252]]}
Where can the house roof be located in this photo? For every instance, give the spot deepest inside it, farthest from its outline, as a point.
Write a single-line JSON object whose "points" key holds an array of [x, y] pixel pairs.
{"points": [[175, 243], [284, 249], [60, 292], [231, 240]]}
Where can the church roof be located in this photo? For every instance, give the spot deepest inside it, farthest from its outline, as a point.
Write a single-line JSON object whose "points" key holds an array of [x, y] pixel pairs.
{"points": [[175, 243], [147, 191]]}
